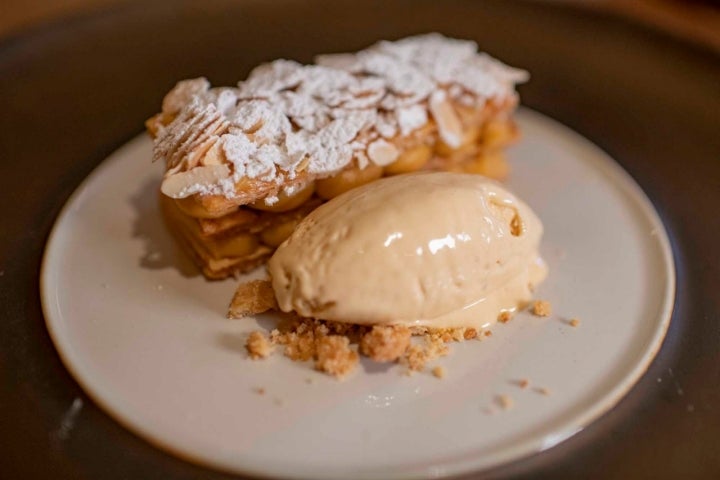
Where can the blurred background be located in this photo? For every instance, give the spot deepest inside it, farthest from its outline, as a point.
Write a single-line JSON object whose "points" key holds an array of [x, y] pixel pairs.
{"points": [[695, 20]]}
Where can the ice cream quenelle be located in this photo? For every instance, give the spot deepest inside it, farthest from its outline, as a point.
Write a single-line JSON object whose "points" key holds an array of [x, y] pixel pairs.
{"points": [[440, 250]]}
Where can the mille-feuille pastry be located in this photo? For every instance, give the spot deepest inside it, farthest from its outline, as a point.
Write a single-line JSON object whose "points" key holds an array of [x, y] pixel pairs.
{"points": [[244, 165]]}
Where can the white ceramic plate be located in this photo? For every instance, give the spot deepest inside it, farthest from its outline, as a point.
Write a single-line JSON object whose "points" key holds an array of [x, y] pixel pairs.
{"points": [[148, 340]]}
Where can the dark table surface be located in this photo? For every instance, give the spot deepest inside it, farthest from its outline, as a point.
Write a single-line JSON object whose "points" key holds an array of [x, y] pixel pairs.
{"points": [[72, 92]]}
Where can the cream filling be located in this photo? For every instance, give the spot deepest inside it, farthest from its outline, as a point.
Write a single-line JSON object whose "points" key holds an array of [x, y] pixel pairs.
{"points": [[217, 254]]}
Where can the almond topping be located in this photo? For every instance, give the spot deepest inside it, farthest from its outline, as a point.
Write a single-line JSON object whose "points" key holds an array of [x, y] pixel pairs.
{"points": [[448, 122], [382, 153], [184, 184]]}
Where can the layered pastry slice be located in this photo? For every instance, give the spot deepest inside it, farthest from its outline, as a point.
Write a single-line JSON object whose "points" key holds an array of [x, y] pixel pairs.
{"points": [[244, 165]]}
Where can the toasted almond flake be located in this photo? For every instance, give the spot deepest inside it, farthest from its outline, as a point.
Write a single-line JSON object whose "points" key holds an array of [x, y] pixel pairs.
{"points": [[382, 153], [184, 184], [251, 298], [448, 122], [214, 156]]}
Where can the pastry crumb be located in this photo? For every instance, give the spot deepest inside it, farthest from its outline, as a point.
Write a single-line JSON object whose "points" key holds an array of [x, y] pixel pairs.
{"points": [[252, 298], [258, 345], [542, 308], [487, 333], [505, 402], [505, 316], [414, 358], [385, 343], [542, 391], [574, 322], [523, 383], [334, 356], [438, 372], [470, 333], [259, 390]]}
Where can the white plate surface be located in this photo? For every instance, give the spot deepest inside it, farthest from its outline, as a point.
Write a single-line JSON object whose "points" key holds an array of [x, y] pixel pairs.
{"points": [[148, 340]]}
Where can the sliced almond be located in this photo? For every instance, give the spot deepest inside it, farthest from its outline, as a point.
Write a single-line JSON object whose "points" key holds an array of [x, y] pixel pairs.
{"points": [[448, 122], [382, 153], [183, 93], [214, 156], [180, 185]]}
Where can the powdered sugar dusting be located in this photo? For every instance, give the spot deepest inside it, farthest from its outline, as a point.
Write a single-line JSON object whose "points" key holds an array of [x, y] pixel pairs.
{"points": [[321, 118]]}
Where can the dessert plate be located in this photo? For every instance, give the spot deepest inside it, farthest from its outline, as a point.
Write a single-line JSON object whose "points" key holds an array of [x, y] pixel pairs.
{"points": [[147, 338]]}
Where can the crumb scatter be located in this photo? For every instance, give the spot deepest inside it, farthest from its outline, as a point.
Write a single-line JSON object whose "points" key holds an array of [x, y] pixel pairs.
{"points": [[335, 347]]}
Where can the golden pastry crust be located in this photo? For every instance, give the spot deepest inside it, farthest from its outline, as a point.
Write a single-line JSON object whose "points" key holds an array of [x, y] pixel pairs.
{"points": [[252, 298]]}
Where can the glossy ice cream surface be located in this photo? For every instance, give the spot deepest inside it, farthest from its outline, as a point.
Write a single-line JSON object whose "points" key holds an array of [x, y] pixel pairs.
{"points": [[441, 250]]}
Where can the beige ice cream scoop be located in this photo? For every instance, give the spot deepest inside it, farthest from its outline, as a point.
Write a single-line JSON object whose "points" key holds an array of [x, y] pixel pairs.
{"points": [[430, 249]]}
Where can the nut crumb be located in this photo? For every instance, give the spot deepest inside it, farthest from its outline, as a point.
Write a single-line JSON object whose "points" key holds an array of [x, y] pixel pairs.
{"points": [[332, 344], [258, 345], [542, 308], [259, 390], [523, 383], [335, 356], [505, 316], [385, 343], [574, 322], [415, 358], [505, 402], [470, 333]]}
